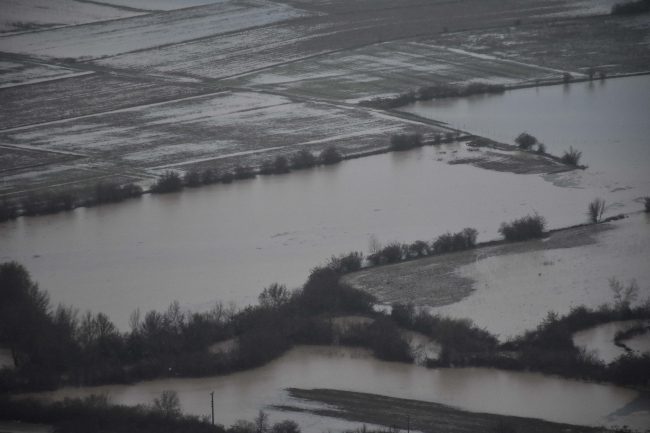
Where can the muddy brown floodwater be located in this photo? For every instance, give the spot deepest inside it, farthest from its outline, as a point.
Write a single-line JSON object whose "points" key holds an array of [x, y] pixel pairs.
{"points": [[227, 242], [241, 395]]}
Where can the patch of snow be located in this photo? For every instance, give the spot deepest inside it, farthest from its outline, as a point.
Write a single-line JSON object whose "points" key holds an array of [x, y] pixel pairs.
{"points": [[19, 15], [148, 31]]}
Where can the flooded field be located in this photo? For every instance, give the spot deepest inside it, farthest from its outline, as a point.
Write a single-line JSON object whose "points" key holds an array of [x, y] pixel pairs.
{"points": [[514, 292], [605, 120], [600, 340], [124, 90], [227, 242], [523, 394]]}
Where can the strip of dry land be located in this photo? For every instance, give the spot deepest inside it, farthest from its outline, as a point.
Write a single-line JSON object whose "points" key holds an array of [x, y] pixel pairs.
{"points": [[434, 281], [418, 415]]}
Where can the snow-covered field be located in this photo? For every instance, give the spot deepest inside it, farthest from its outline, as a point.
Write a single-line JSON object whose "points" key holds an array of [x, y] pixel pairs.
{"points": [[389, 67], [148, 31], [222, 127], [22, 15], [15, 73], [52, 100]]}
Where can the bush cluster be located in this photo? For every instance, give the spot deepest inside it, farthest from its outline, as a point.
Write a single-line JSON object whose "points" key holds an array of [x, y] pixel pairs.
{"points": [[528, 227], [400, 142], [460, 339], [433, 92], [170, 181], [445, 243], [525, 141], [571, 157], [459, 241]]}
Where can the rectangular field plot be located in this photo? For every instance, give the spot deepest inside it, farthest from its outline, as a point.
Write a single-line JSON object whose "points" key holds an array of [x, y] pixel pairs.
{"points": [[223, 55], [15, 72], [147, 31], [337, 26], [79, 96], [215, 128], [68, 177], [21, 15], [610, 44], [389, 68]]}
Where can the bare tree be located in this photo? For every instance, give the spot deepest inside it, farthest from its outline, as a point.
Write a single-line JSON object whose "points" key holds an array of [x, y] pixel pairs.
{"points": [[262, 423], [168, 404], [595, 210], [624, 296]]}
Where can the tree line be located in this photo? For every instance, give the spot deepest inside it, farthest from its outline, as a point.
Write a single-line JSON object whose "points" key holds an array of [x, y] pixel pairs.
{"points": [[435, 91]]}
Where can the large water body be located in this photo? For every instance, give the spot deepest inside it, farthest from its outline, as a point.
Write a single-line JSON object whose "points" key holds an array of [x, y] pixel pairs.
{"points": [[607, 120], [227, 242], [241, 395]]}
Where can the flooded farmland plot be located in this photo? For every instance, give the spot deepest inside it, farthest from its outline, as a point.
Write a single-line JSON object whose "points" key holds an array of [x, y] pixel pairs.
{"points": [[236, 239], [522, 394], [242, 212]]}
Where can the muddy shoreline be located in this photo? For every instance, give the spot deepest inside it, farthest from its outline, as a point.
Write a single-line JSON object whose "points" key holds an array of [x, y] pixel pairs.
{"points": [[433, 281], [417, 415]]}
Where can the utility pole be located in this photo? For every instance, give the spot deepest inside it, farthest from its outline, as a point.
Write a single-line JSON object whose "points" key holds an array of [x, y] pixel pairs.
{"points": [[212, 405], [408, 423]]}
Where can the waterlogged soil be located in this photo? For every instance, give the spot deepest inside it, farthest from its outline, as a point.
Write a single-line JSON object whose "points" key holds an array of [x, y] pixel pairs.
{"points": [[416, 415], [492, 155], [437, 280]]}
